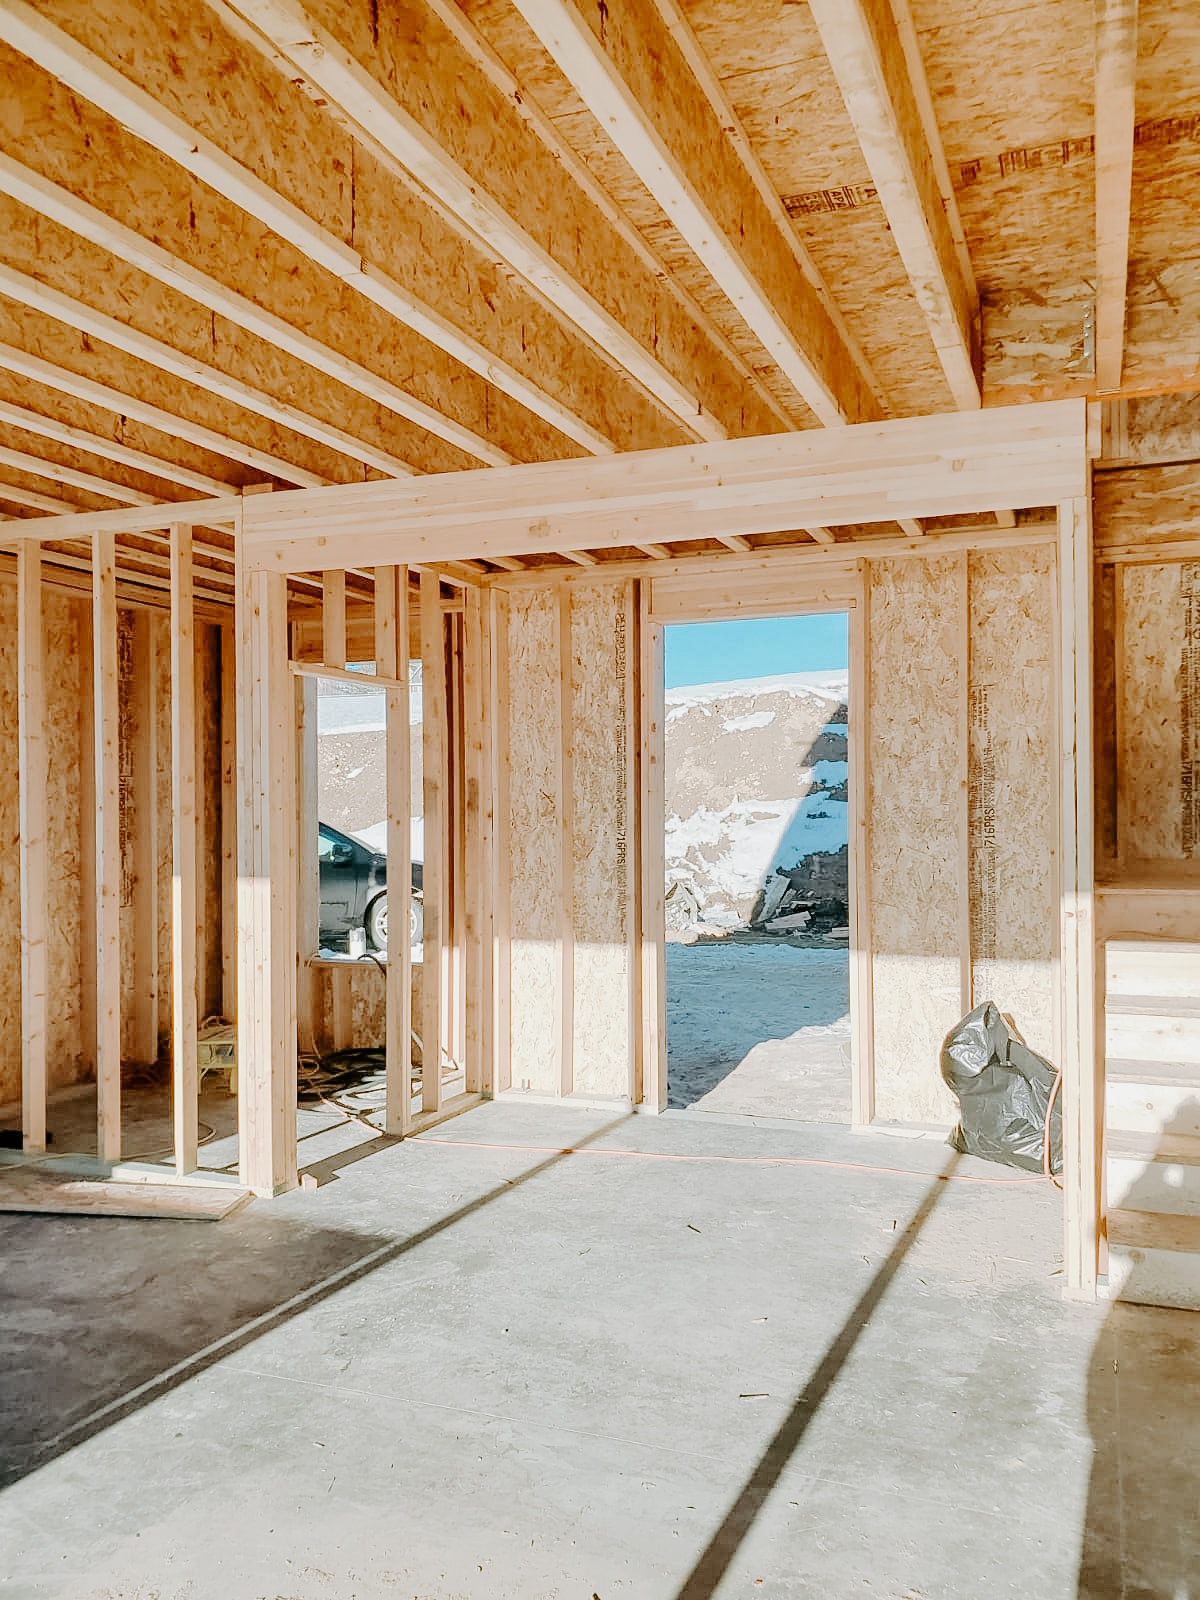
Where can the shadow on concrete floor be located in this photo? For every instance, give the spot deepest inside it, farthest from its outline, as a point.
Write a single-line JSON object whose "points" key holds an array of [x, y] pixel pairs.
{"points": [[151, 1304]]}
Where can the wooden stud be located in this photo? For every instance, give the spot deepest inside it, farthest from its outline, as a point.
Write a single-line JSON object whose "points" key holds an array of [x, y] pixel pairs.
{"points": [[501, 787], [632, 807], [141, 831], [862, 1005], [651, 726], [229, 829], [34, 866], [433, 776], [966, 976], [1116, 94], [266, 887], [456, 828], [565, 811], [88, 877], [1080, 1050], [107, 769], [477, 860], [392, 652], [184, 944], [308, 883], [333, 617]]}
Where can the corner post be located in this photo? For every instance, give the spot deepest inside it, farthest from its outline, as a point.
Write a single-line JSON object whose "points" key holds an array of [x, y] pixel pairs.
{"points": [[267, 867], [1080, 1051]]}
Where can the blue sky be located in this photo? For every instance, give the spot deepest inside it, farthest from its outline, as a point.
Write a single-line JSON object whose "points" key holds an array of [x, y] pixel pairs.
{"points": [[714, 652]]}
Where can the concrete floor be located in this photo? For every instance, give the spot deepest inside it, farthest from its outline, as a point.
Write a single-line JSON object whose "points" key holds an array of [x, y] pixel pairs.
{"points": [[509, 1374]]}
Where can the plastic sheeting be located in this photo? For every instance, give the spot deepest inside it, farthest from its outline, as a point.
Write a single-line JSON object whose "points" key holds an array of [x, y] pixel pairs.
{"points": [[1004, 1090]]}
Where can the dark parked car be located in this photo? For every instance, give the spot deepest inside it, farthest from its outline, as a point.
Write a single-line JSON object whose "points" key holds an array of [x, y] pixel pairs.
{"points": [[354, 890]]}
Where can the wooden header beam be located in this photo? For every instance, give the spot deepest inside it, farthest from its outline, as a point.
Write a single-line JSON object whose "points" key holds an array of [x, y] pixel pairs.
{"points": [[951, 465]]}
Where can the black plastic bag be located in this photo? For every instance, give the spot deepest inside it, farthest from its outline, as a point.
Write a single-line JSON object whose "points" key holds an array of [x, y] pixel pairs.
{"points": [[1004, 1090]]}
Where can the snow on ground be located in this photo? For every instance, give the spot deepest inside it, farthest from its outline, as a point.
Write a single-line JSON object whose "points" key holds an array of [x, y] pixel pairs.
{"points": [[757, 1028], [832, 686], [732, 852]]}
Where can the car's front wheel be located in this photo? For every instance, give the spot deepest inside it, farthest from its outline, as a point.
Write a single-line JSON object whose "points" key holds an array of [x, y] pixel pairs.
{"points": [[376, 922], [416, 920]]}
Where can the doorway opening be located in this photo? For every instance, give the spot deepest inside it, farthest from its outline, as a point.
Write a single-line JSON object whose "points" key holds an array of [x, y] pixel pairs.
{"points": [[757, 893]]}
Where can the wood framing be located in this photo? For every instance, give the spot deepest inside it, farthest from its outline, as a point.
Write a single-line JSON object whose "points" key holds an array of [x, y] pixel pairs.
{"points": [[34, 865], [1116, 95], [618, 55], [1080, 1052], [875, 472], [106, 765], [266, 888], [184, 908], [436, 898], [879, 71], [392, 651]]}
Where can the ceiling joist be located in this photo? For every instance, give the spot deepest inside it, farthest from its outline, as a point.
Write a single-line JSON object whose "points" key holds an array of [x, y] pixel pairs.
{"points": [[39, 296], [1116, 87], [879, 72], [92, 78], [621, 56], [94, 444], [62, 380], [516, 205], [51, 200]]}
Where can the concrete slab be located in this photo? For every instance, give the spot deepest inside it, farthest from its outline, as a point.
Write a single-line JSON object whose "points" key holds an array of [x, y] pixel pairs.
{"points": [[736, 1360]]}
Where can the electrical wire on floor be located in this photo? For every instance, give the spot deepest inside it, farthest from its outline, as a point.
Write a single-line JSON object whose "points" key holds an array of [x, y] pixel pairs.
{"points": [[744, 1161]]}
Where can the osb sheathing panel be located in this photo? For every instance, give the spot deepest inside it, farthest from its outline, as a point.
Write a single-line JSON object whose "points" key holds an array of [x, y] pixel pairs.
{"points": [[600, 843], [10, 862], [1158, 713], [1146, 505], [189, 59], [533, 739], [1011, 816], [64, 629], [1012, 91], [913, 760]]}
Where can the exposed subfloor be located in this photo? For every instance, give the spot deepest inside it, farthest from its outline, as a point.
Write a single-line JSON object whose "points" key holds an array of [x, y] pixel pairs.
{"points": [[745, 1360]]}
